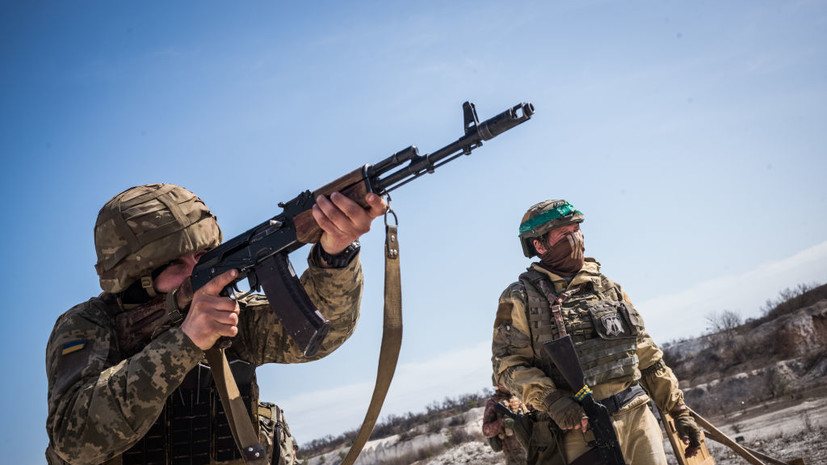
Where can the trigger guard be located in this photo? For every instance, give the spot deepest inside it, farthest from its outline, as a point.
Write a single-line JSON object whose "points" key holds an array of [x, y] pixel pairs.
{"points": [[235, 293], [253, 282], [231, 291]]}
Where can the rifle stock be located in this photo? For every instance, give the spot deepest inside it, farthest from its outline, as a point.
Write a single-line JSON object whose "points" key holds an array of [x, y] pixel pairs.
{"points": [[295, 226], [562, 353]]}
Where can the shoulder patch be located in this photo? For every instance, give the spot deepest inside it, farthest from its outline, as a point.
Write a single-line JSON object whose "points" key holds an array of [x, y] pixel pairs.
{"points": [[73, 346]]}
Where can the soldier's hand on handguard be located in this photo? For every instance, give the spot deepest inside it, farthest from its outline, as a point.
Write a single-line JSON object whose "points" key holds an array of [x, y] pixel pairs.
{"points": [[210, 315], [343, 221], [568, 415], [688, 431]]}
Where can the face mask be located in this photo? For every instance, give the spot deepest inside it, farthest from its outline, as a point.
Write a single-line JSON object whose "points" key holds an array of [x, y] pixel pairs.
{"points": [[565, 257], [138, 324]]}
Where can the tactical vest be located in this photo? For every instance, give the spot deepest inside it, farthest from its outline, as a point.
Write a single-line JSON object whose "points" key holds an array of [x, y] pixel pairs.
{"points": [[603, 327], [192, 428]]}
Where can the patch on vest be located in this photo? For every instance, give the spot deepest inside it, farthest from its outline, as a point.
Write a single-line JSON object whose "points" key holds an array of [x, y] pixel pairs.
{"points": [[613, 324]]}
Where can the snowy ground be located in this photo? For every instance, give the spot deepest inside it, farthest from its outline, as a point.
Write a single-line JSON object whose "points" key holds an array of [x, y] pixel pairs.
{"points": [[783, 430], [468, 453]]}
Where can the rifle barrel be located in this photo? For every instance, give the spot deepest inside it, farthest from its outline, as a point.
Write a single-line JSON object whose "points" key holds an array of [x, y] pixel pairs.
{"points": [[422, 164]]}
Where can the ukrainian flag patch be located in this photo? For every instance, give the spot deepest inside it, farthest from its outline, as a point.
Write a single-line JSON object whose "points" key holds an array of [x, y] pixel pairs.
{"points": [[73, 346]]}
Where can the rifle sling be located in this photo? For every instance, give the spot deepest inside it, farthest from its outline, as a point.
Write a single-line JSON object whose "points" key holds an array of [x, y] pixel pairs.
{"points": [[555, 303], [240, 422], [391, 342]]}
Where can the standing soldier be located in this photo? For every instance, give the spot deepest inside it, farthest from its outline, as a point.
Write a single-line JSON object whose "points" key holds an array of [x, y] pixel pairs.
{"points": [[127, 381], [565, 293]]}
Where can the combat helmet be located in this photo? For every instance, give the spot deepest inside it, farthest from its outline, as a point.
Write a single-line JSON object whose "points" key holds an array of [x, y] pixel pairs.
{"points": [[144, 228], [542, 218]]}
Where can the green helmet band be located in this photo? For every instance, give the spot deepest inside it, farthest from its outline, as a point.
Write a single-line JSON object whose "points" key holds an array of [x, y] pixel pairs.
{"points": [[550, 215]]}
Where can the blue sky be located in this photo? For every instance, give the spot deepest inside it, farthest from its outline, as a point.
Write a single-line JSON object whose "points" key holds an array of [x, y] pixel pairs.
{"points": [[690, 134]]}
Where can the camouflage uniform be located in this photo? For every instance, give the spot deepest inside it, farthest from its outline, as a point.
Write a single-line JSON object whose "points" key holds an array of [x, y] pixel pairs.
{"points": [[101, 403], [518, 363], [617, 354], [110, 395]]}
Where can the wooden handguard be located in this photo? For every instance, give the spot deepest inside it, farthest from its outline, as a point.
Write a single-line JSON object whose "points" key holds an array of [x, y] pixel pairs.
{"points": [[353, 185]]}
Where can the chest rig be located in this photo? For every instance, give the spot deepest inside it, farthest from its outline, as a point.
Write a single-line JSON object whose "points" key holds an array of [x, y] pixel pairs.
{"points": [[603, 327], [193, 428]]}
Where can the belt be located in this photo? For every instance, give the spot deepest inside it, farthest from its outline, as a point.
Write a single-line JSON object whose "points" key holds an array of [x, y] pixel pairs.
{"points": [[622, 398]]}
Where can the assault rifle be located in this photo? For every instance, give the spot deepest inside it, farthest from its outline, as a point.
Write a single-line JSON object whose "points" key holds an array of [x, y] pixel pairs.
{"points": [[506, 411], [605, 447], [260, 254]]}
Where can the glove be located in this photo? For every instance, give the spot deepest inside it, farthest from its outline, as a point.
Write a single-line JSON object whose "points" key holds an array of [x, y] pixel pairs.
{"points": [[568, 414], [689, 432]]}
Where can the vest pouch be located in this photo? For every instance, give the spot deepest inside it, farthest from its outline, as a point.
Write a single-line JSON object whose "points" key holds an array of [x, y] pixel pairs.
{"points": [[275, 433], [614, 320], [633, 317], [612, 354]]}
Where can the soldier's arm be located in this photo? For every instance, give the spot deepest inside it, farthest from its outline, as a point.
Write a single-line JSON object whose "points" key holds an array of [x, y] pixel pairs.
{"points": [[513, 354], [336, 292], [656, 377], [99, 408]]}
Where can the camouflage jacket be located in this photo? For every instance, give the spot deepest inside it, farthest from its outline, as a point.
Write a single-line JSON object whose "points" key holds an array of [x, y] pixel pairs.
{"points": [[519, 368], [101, 402]]}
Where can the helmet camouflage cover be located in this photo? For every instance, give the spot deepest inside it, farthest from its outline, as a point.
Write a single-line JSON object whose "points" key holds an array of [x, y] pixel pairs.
{"points": [[146, 227], [542, 218]]}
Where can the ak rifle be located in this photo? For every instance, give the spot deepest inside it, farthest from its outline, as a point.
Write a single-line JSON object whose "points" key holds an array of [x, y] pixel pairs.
{"points": [[261, 254]]}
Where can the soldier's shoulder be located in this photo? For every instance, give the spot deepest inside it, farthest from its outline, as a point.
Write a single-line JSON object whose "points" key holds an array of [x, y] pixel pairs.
{"points": [[608, 283], [77, 328], [514, 290], [93, 312]]}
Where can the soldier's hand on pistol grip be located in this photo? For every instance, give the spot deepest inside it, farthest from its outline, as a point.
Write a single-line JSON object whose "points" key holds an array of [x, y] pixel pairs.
{"points": [[568, 414], [212, 315], [688, 431]]}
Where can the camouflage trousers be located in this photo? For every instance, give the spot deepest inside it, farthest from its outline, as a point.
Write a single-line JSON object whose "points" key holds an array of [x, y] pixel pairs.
{"points": [[638, 433]]}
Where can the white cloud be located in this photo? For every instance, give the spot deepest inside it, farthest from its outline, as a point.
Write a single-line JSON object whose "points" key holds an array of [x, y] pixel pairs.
{"points": [[684, 314]]}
